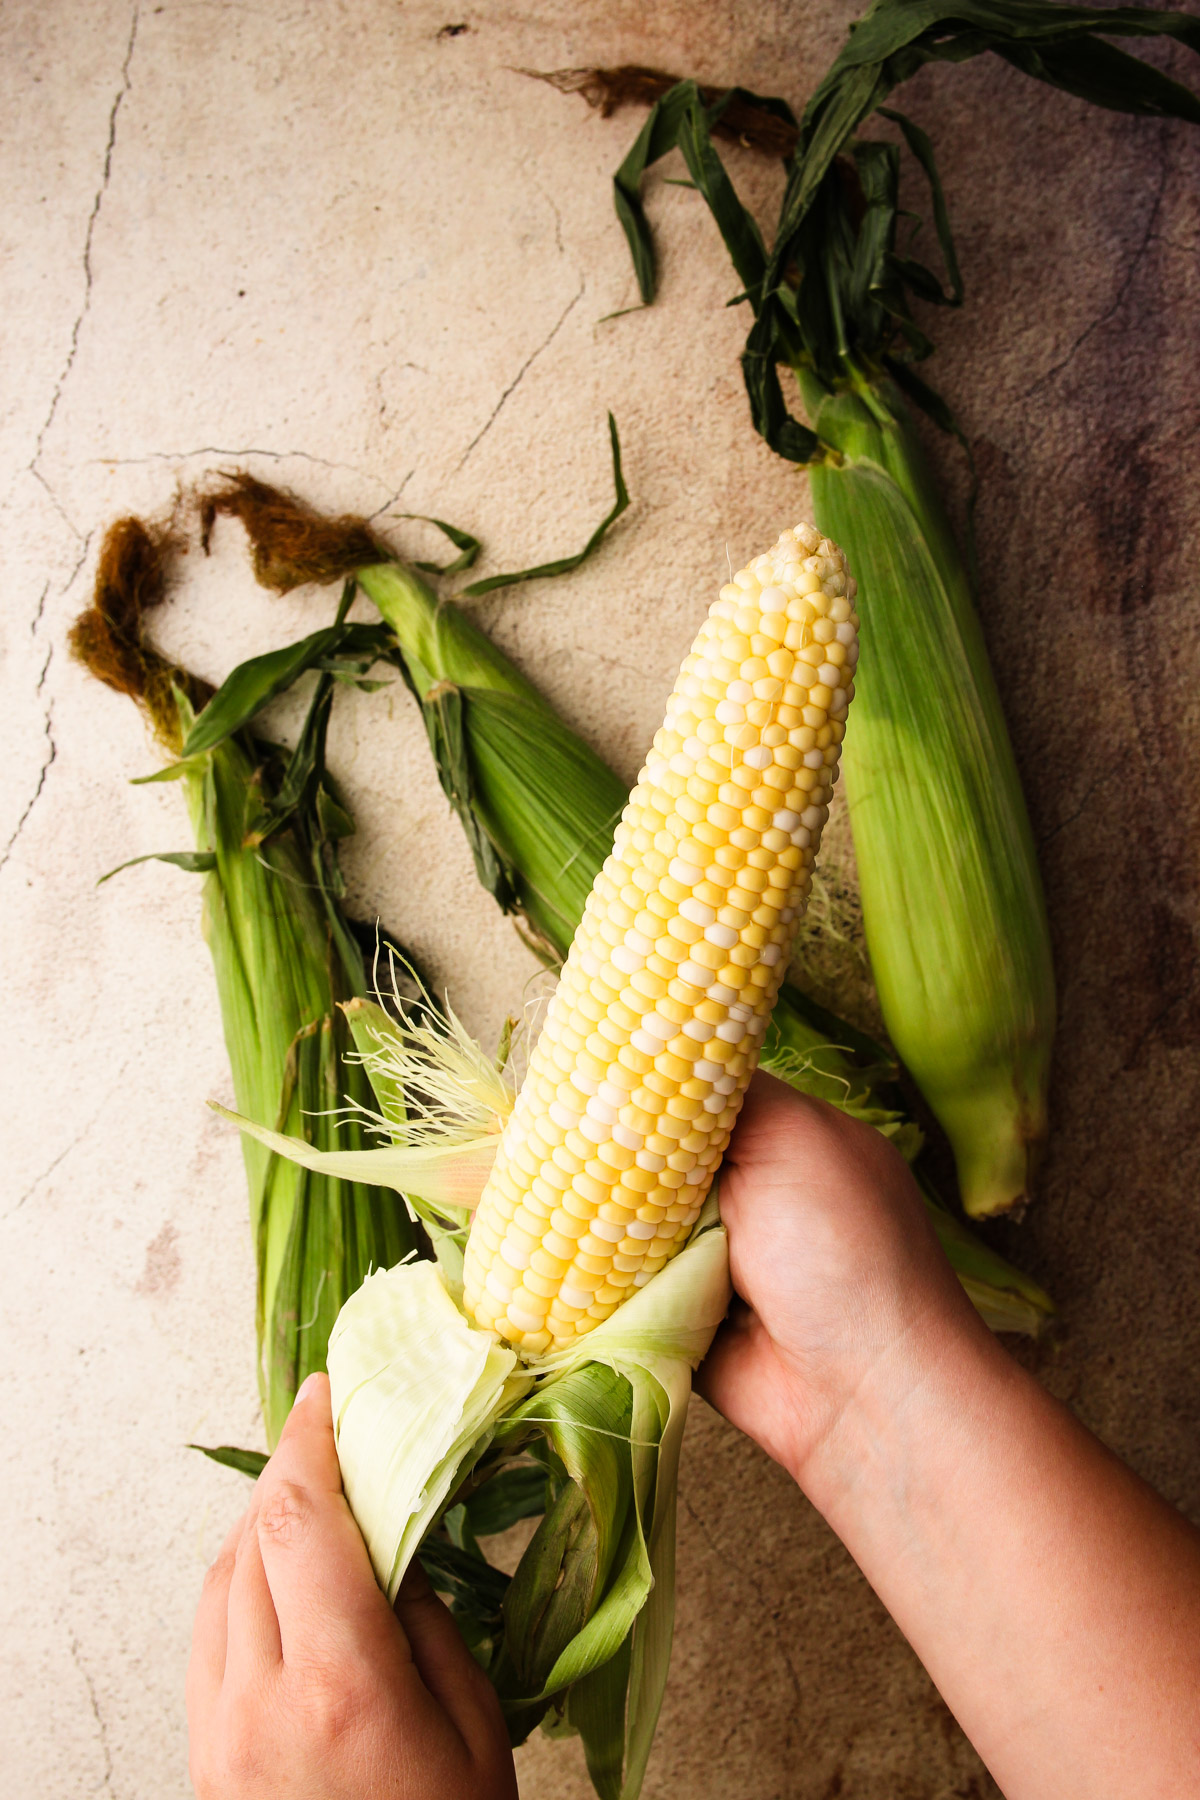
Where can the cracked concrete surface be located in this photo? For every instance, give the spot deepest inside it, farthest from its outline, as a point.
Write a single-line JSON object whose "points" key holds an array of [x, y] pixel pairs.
{"points": [[520, 375], [375, 264], [93, 216]]}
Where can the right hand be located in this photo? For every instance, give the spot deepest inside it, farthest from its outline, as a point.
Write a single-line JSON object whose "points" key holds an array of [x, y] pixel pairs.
{"points": [[835, 1265]]}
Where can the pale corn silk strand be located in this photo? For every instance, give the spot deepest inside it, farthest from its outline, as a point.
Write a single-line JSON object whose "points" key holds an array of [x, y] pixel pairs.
{"points": [[655, 1028]]}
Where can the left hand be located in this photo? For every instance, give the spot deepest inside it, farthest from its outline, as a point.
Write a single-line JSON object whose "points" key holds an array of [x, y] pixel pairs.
{"points": [[303, 1683]]}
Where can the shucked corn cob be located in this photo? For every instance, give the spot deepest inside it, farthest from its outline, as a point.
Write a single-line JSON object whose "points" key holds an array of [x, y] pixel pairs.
{"points": [[656, 1025]]}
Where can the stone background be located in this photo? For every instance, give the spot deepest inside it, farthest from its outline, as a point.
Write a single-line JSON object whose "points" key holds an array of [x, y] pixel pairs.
{"points": [[367, 259]]}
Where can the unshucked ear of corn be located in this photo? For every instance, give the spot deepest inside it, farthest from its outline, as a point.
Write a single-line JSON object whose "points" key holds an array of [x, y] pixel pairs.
{"points": [[540, 808], [284, 956], [951, 895]]}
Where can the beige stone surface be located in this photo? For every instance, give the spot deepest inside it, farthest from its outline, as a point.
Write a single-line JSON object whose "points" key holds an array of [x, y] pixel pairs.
{"points": [[369, 260]]}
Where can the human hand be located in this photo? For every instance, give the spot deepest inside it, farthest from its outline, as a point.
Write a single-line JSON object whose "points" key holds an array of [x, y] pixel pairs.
{"points": [[303, 1683], [1053, 1597], [835, 1265]]}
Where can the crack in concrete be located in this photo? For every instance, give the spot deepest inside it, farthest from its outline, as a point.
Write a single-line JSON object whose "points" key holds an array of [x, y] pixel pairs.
{"points": [[84, 1130], [155, 456], [1049, 836], [771, 1613], [610, 662], [391, 501], [32, 469], [1126, 282], [46, 1173], [89, 236], [48, 712], [51, 749], [520, 375], [71, 578], [552, 204], [101, 1728]]}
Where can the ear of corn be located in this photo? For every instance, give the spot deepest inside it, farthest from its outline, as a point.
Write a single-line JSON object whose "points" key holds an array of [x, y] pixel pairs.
{"points": [[659, 1016], [279, 979], [283, 956], [550, 805], [952, 899]]}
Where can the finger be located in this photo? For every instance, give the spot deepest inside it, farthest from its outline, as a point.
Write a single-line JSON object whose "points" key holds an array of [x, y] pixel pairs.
{"points": [[324, 1591], [744, 1379], [206, 1664], [255, 1648], [767, 1100], [306, 1449], [730, 1357], [444, 1663]]}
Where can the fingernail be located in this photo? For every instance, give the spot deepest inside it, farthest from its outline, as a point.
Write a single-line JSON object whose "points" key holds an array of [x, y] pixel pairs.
{"points": [[307, 1385]]}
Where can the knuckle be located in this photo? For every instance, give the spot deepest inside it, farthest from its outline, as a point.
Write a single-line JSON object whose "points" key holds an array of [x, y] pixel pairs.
{"points": [[219, 1571], [285, 1514], [334, 1703], [832, 1129], [241, 1770], [199, 1772], [814, 1127], [878, 1152], [241, 1761]]}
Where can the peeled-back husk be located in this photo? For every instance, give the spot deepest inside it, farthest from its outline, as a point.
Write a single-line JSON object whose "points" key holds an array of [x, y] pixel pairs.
{"points": [[420, 1397]]}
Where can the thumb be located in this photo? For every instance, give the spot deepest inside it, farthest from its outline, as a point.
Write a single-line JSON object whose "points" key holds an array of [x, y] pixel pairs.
{"points": [[316, 1563]]}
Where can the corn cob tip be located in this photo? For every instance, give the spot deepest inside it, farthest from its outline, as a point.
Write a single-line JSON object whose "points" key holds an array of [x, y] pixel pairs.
{"points": [[656, 1025]]}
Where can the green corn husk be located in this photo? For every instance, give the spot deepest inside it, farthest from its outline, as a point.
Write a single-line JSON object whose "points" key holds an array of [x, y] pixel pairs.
{"points": [[959, 911], [284, 957], [952, 902], [539, 808]]}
